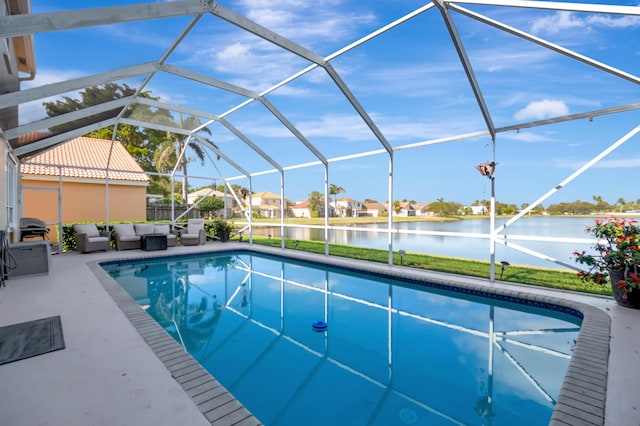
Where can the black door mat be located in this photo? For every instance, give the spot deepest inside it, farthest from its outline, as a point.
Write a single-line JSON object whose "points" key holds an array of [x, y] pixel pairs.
{"points": [[31, 338]]}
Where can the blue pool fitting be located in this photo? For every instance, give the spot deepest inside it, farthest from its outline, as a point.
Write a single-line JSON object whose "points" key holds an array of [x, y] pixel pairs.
{"points": [[319, 325]]}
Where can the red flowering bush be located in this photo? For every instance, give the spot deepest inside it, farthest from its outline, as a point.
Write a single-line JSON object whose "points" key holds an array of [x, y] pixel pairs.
{"points": [[616, 248]]}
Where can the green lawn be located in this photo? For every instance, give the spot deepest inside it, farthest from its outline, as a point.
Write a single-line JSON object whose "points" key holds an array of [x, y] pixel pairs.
{"points": [[543, 277]]}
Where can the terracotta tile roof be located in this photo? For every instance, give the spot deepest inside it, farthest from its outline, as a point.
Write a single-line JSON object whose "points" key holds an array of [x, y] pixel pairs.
{"points": [[375, 206], [206, 192], [347, 199], [85, 152], [304, 204], [301, 205], [32, 137], [265, 194]]}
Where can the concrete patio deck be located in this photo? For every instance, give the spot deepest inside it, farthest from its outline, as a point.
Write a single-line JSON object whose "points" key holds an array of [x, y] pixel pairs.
{"points": [[116, 369]]}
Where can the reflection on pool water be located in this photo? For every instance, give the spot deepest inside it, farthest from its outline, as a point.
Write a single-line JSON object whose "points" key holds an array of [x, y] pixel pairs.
{"points": [[392, 353]]}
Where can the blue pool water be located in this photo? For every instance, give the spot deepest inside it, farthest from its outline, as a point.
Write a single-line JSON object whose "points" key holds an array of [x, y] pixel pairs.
{"points": [[393, 352]]}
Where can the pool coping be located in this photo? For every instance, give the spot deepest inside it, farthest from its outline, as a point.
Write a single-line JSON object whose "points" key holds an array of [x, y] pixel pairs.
{"points": [[582, 396]]}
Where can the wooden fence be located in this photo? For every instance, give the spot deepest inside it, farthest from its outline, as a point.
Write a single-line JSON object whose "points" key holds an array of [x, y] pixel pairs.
{"points": [[157, 212]]}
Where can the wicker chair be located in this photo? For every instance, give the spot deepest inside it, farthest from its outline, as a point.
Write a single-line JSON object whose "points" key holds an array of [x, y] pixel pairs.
{"points": [[126, 237], [195, 234], [89, 239]]}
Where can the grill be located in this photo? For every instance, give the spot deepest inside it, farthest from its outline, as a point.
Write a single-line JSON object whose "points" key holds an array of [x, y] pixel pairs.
{"points": [[32, 227]]}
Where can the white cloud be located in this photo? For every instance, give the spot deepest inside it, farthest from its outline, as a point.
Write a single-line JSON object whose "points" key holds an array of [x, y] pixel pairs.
{"points": [[254, 64], [48, 76], [539, 110], [34, 111], [611, 22], [619, 163], [350, 127], [555, 23], [509, 57], [563, 21], [345, 126], [235, 57], [271, 18], [622, 163], [257, 64], [305, 20], [525, 136], [259, 4]]}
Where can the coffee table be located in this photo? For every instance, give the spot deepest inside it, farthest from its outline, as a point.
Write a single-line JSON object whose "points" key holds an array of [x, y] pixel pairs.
{"points": [[152, 242]]}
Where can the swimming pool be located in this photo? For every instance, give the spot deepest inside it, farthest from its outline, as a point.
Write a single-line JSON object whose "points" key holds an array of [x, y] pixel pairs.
{"points": [[394, 352]]}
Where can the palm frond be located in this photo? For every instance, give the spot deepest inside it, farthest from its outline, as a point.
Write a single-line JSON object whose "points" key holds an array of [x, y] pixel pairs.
{"points": [[195, 146]]}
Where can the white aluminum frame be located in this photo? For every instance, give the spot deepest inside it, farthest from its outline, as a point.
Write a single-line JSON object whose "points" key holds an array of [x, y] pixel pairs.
{"points": [[21, 25]]}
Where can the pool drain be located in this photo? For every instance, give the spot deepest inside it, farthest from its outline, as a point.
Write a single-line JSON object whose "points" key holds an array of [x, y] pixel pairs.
{"points": [[408, 416]]}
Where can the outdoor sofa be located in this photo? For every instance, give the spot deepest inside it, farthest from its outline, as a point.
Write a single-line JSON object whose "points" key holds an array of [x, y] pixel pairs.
{"points": [[128, 235]]}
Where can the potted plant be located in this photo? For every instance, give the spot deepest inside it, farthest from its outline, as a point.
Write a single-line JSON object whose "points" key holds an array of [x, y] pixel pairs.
{"points": [[222, 229], [616, 259]]}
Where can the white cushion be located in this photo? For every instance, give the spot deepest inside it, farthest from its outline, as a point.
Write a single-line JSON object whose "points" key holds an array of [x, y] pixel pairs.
{"points": [[90, 230], [144, 228], [195, 225], [124, 229], [190, 235], [161, 229], [130, 238], [171, 237], [97, 239]]}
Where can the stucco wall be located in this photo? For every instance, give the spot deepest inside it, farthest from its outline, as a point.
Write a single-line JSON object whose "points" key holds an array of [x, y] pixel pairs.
{"points": [[84, 201]]}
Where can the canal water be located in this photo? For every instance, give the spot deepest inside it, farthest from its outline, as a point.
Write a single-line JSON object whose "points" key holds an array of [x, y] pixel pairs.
{"points": [[464, 247]]}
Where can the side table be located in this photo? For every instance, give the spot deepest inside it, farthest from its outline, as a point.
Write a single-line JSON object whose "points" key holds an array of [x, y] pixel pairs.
{"points": [[152, 242]]}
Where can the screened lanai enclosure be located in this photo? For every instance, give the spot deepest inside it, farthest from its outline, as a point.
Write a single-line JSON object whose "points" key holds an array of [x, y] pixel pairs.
{"points": [[474, 102]]}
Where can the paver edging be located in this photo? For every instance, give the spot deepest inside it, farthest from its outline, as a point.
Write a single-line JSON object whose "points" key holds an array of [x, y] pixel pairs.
{"points": [[596, 324], [151, 332]]}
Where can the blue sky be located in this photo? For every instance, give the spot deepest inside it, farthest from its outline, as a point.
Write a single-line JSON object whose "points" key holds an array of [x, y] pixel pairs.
{"points": [[409, 80]]}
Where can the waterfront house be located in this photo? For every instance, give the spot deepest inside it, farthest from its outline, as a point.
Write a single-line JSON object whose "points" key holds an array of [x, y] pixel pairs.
{"points": [[348, 207], [228, 199], [374, 209], [422, 209], [301, 209], [267, 204], [478, 210], [406, 209]]}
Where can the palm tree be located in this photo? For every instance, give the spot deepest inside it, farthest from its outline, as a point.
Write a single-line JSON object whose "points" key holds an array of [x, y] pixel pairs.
{"points": [[601, 205], [167, 156], [396, 206], [621, 202], [335, 190], [315, 202]]}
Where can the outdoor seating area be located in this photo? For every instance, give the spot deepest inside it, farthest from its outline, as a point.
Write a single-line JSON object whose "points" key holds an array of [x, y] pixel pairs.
{"points": [[133, 236]]}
